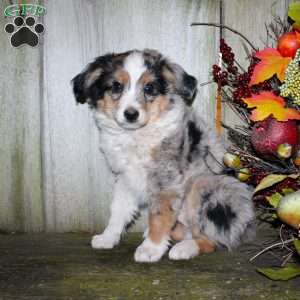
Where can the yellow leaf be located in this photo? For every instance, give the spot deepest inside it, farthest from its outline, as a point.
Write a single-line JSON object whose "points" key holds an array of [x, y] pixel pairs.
{"points": [[267, 104], [272, 179]]}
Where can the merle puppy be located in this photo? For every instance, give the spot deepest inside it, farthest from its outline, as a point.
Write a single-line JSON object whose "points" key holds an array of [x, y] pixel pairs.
{"points": [[165, 159]]}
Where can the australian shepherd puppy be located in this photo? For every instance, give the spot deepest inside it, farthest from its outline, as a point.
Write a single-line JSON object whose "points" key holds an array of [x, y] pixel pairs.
{"points": [[165, 159]]}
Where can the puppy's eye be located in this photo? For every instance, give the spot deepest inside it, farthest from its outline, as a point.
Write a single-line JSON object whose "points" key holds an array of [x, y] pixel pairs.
{"points": [[116, 87], [150, 90]]}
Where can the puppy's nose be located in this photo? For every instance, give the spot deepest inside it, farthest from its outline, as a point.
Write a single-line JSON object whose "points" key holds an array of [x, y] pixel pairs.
{"points": [[131, 114]]}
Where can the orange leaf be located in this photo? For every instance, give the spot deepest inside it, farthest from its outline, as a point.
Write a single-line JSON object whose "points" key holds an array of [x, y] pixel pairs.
{"points": [[297, 35], [271, 63], [266, 104]]}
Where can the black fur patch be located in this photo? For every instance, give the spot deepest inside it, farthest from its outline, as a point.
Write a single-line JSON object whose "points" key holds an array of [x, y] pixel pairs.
{"points": [[221, 215], [206, 197], [194, 138], [189, 89], [134, 218], [155, 65], [107, 64]]}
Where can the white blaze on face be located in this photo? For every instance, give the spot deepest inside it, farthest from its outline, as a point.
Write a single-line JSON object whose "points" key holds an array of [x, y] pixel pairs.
{"points": [[135, 66]]}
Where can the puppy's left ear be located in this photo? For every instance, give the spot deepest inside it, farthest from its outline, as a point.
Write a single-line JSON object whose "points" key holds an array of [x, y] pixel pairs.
{"points": [[189, 88], [185, 84]]}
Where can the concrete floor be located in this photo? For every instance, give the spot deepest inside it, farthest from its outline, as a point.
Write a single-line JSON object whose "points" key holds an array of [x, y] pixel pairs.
{"points": [[65, 267]]}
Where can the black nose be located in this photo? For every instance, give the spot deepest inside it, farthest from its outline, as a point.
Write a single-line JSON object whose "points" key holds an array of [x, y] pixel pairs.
{"points": [[131, 114]]}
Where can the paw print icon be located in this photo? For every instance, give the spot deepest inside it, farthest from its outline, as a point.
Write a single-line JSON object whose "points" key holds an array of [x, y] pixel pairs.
{"points": [[24, 31]]}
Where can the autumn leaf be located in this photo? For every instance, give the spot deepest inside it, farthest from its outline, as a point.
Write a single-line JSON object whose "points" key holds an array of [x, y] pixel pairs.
{"points": [[273, 179], [294, 14], [266, 104], [271, 63]]}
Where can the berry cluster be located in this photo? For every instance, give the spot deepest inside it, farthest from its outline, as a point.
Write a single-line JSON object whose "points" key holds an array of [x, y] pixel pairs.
{"points": [[227, 55], [221, 77], [226, 76], [257, 175]]}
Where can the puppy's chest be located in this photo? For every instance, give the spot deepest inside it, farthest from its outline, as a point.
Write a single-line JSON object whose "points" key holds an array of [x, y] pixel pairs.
{"points": [[132, 150]]}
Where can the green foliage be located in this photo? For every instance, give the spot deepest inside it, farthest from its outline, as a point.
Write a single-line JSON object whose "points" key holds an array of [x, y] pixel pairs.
{"points": [[294, 13], [297, 245], [274, 199], [277, 273]]}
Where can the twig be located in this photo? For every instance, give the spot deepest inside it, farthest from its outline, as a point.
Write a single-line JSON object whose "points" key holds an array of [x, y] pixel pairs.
{"points": [[282, 243], [228, 28], [206, 83], [287, 258]]}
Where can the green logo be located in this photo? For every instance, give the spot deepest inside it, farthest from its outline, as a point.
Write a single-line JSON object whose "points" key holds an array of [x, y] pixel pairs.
{"points": [[24, 10]]}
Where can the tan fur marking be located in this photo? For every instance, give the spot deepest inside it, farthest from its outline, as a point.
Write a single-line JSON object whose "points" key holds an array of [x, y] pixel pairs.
{"points": [[194, 199], [195, 187], [178, 233], [154, 152], [146, 78], [205, 245], [107, 104], [169, 75], [122, 76], [156, 107], [161, 222]]}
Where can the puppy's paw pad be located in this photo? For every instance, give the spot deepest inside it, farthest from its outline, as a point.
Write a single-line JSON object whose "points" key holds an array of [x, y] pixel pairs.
{"points": [[184, 250], [104, 241], [150, 252]]}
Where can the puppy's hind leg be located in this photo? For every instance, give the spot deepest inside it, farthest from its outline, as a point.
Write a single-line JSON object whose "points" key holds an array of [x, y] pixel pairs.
{"points": [[124, 210], [220, 207]]}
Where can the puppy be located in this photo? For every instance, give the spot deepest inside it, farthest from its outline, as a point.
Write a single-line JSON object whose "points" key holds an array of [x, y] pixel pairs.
{"points": [[164, 158]]}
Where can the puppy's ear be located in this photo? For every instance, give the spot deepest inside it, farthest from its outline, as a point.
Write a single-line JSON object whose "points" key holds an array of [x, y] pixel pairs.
{"points": [[78, 88], [83, 81], [185, 84]]}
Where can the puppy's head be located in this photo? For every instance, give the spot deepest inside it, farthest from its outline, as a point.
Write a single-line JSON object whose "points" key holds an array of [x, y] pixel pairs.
{"points": [[134, 87]]}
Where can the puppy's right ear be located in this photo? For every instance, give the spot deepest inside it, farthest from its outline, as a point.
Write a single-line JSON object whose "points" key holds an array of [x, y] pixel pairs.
{"points": [[79, 88], [92, 73]]}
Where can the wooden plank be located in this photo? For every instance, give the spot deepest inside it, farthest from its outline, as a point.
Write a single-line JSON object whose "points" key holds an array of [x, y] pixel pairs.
{"points": [[21, 206], [77, 181], [63, 266], [249, 17]]}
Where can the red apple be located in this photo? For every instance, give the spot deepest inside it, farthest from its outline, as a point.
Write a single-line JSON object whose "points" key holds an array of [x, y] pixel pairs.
{"points": [[288, 44], [269, 134]]}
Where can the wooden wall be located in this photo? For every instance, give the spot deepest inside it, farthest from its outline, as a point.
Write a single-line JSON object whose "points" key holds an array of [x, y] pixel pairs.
{"points": [[52, 176]]}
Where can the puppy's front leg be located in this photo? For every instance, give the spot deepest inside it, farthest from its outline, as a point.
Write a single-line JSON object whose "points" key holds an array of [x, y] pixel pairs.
{"points": [[123, 209], [161, 220]]}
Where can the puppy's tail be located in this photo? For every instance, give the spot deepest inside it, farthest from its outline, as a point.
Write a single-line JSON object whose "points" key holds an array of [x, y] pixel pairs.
{"points": [[222, 209]]}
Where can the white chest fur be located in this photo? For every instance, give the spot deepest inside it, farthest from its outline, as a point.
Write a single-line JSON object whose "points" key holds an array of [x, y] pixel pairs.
{"points": [[131, 150]]}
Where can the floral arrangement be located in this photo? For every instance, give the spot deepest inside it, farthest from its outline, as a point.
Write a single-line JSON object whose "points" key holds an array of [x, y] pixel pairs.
{"points": [[265, 149]]}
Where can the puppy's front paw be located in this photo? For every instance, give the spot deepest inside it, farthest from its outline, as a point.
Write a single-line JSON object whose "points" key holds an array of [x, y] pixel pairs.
{"points": [[104, 241], [150, 252], [184, 250]]}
